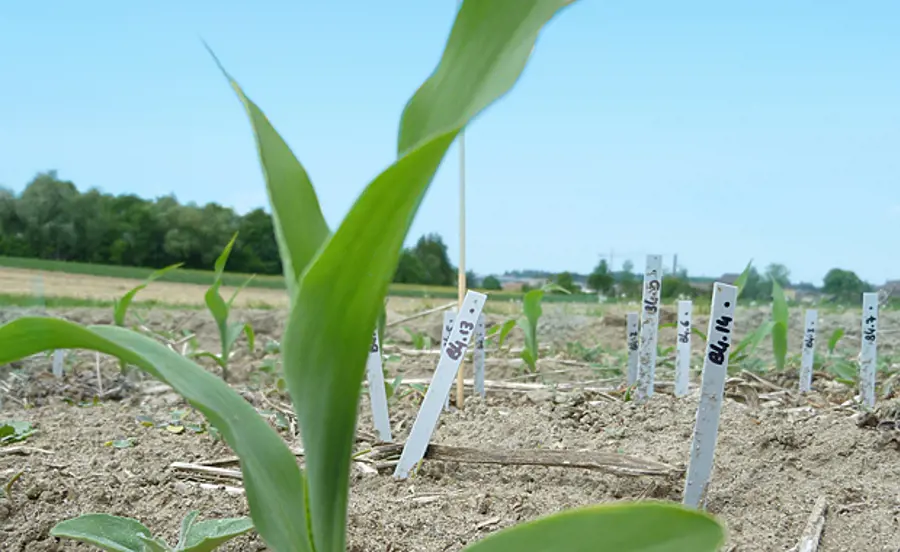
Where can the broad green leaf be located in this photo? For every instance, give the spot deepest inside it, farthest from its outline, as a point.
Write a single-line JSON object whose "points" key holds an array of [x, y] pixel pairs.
{"points": [[234, 332], [154, 544], [639, 527], [186, 524], [779, 344], [836, 336], [238, 290], [206, 354], [223, 257], [752, 340], [531, 304], [779, 304], [274, 485], [780, 330], [207, 535], [216, 305], [340, 295], [13, 431], [121, 305], [742, 279], [106, 532], [485, 54], [300, 228], [504, 331]]}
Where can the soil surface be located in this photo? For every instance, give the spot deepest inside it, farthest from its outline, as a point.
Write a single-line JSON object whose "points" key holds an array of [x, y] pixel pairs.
{"points": [[777, 451]]}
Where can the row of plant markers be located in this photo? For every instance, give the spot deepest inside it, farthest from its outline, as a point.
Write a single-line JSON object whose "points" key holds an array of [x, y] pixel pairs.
{"points": [[460, 329]]}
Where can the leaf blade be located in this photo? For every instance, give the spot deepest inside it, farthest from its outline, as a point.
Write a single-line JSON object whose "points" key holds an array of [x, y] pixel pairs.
{"points": [[274, 485], [300, 227], [636, 527], [110, 533], [324, 356]]}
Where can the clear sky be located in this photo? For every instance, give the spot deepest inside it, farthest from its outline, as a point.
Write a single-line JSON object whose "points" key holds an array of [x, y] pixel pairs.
{"points": [[717, 131]]}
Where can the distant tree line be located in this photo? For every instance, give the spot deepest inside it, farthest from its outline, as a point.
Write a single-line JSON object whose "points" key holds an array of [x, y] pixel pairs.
{"points": [[51, 219]]}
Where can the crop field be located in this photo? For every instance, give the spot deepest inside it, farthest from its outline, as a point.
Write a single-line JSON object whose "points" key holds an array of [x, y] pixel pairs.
{"points": [[20, 276], [127, 445]]}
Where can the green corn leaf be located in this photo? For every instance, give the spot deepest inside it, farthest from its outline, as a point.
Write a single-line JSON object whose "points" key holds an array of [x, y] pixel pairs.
{"points": [[207, 535], [836, 336], [216, 305], [238, 290], [641, 527], [234, 332], [121, 305], [274, 485], [106, 532], [752, 340], [300, 228], [340, 295], [780, 329], [485, 54], [504, 331], [742, 279], [223, 258], [206, 354]]}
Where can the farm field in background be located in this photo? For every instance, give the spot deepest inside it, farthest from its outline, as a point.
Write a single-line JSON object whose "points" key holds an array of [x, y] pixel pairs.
{"points": [[777, 452], [98, 282]]}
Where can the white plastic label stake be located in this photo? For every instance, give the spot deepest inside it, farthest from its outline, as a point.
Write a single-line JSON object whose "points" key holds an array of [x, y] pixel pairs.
{"points": [[631, 328], [649, 328], [449, 318], [58, 356], [377, 393], [868, 355], [715, 370], [478, 357], [808, 354], [683, 350], [451, 355]]}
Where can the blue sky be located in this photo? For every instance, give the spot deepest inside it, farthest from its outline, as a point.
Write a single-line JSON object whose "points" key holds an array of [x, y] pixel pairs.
{"points": [[719, 131]]}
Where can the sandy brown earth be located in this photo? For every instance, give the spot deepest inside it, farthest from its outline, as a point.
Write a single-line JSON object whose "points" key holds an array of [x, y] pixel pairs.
{"points": [[774, 457]]}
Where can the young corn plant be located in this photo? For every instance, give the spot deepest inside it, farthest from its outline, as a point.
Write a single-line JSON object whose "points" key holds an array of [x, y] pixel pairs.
{"points": [[121, 305], [779, 326], [229, 333], [528, 323], [337, 282], [120, 534]]}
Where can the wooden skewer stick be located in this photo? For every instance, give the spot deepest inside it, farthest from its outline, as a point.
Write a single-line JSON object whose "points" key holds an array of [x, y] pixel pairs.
{"points": [[460, 394]]}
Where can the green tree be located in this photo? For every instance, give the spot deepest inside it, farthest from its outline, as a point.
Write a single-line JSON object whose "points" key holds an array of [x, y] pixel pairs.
{"points": [[410, 269], [844, 285], [491, 283], [779, 273], [566, 281], [629, 284], [601, 280]]}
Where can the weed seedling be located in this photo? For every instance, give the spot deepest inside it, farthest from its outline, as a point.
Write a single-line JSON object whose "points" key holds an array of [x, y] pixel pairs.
{"points": [[120, 534]]}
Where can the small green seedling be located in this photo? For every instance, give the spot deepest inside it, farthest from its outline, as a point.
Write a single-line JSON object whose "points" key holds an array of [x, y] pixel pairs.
{"points": [[228, 332], [119, 534], [12, 431], [532, 311], [780, 326], [120, 305], [420, 340]]}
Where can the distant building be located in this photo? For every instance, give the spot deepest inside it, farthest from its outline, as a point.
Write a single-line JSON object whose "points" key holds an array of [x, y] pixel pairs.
{"points": [[729, 278], [892, 287]]}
